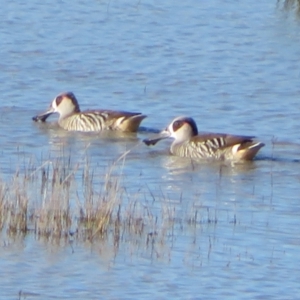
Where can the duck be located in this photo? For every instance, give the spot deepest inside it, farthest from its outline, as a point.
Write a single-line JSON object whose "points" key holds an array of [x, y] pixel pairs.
{"points": [[189, 143], [71, 118]]}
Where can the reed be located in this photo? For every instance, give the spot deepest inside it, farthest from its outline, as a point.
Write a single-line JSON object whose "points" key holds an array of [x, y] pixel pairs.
{"points": [[59, 199], [50, 214], [13, 206], [62, 200], [290, 5], [100, 208], [3, 195]]}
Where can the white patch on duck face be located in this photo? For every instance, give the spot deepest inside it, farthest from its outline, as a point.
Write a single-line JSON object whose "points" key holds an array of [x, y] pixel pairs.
{"points": [[235, 148], [175, 134], [170, 130], [54, 106], [170, 127], [179, 135], [184, 132]]}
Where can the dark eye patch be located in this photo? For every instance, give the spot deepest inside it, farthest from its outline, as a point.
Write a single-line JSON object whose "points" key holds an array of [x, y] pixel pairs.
{"points": [[58, 100], [177, 125]]}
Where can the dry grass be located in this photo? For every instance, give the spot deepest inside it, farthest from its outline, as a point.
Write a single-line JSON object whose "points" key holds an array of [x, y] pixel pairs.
{"points": [[290, 5], [13, 206], [60, 200]]}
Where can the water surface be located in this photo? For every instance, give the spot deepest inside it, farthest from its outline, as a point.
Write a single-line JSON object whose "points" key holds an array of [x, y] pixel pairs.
{"points": [[234, 68]]}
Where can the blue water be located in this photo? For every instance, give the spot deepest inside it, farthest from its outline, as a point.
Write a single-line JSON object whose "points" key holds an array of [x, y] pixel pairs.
{"points": [[233, 67]]}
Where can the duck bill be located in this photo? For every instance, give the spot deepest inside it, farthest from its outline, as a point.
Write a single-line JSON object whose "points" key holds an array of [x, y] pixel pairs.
{"points": [[156, 138], [43, 116]]}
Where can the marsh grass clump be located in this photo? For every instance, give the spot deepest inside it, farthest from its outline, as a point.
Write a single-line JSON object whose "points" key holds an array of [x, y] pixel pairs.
{"points": [[52, 218], [51, 214], [60, 201], [100, 208], [3, 195], [290, 5], [13, 206]]}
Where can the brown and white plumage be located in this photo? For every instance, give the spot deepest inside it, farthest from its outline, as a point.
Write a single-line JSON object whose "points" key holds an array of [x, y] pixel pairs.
{"points": [[188, 143], [72, 119]]}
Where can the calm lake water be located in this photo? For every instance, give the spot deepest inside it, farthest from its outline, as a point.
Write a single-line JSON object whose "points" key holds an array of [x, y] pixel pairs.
{"points": [[233, 67]]}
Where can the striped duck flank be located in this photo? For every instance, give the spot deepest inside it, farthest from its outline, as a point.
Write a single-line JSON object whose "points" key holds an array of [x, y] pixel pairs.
{"points": [[72, 119], [219, 146]]}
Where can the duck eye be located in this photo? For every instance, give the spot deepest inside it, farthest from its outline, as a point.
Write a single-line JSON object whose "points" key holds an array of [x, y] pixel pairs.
{"points": [[58, 100], [177, 125]]}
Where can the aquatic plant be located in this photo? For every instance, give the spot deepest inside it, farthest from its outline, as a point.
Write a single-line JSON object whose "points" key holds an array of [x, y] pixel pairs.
{"points": [[290, 5], [60, 201]]}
